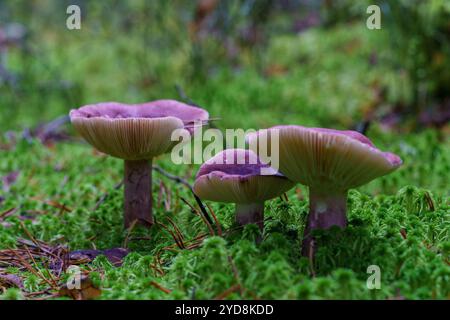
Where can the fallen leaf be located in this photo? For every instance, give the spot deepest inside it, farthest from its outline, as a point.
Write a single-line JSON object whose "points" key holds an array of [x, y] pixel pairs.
{"points": [[115, 255], [86, 291], [11, 280]]}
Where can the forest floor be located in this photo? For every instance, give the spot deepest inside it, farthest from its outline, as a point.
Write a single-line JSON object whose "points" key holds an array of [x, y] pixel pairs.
{"points": [[58, 195]]}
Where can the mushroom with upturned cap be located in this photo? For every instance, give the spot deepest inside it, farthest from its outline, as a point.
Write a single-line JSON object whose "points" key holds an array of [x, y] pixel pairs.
{"points": [[330, 162], [234, 176], [135, 133]]}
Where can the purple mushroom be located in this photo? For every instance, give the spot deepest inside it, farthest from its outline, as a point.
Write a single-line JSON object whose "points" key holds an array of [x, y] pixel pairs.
{"points": [[330, 162], [135, 133], [234, 176]]}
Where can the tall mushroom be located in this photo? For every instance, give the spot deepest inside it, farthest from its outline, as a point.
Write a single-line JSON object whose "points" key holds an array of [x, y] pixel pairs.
{"points": [[234, 176], [135, 133], [330, 162]]}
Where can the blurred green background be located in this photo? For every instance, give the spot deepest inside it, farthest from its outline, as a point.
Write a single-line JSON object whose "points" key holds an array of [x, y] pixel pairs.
{"points": [[310, 62]]}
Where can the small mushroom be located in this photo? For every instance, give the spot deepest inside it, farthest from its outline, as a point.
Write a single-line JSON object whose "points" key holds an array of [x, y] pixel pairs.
{"points": [[135, 133], [329, 162], [234, 176]]}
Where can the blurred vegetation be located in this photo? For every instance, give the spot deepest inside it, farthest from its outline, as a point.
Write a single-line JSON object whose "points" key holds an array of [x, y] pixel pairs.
{"points": [[139, 50], [252, 64], [418, 35]]}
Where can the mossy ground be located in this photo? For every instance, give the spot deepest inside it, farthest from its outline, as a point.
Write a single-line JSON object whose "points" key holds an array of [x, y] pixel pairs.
{"points": [[399, 222]]}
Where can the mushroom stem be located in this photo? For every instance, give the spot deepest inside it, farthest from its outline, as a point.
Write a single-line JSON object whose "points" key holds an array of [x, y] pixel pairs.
{"points": [[325, 211], [250, 213], [138, 193]]}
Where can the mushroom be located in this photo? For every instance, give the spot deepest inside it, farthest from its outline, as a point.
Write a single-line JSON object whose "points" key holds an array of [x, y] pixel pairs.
{"points": [[329, 162], [234, 176], [135, 133]]}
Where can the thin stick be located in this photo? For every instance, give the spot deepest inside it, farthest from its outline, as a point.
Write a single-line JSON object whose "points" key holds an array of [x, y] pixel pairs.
{"points": [[160, 287], [195, 211], [180, 234], [36, 266], [227, 292], [188, 185], [28, 233], [236, 274], [179, 243], [219, 227], [31, 269]]}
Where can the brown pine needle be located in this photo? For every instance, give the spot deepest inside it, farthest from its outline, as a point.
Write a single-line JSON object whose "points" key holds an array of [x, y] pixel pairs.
{"points": [[180, 234], [160, 287], [179, 243], [219, 227], [227, 292]]}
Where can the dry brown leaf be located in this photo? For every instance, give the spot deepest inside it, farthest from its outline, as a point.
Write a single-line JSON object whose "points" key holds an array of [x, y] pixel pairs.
{"points": [[87, 290], [114, 255], [10, 280]]}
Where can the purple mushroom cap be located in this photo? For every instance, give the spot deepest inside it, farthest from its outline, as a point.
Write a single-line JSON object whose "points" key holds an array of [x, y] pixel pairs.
{"points": [[155, 109], [136, 131], [328, 159], [235, 163], [234, 175]]}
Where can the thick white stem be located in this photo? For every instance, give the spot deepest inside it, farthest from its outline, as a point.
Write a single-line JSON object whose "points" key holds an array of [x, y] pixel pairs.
{"points": [[325, 210]]}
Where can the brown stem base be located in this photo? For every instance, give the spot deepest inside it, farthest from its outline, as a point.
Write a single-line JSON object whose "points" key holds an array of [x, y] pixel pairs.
{"points": [[325, 211], [138, 193], [252, 213]]}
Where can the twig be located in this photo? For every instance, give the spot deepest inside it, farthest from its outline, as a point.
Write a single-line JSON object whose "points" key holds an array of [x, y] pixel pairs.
{"points": [[175, 237], [172, 177], [31, 269], [180, 234], [7, 213], [188, 185], [194, 210], [29, 234], [236, 274], [219, 227], [53, 280], [227, 292]]}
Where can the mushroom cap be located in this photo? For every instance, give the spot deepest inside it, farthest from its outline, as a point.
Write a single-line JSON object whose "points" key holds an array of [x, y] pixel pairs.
{"points": [[234, 176], [136, 131], [328, 159]]}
